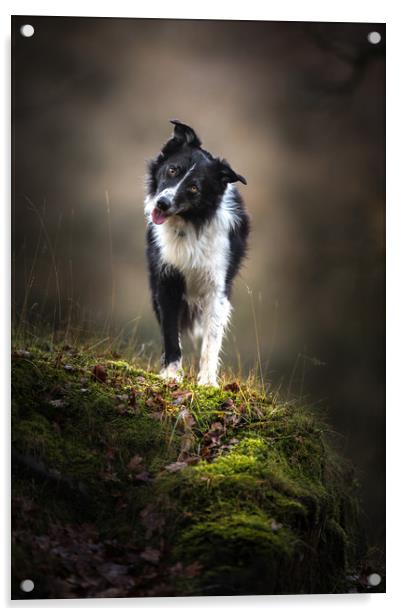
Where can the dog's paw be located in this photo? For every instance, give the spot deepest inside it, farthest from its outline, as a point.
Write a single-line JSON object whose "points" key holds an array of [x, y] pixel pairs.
{"points": [[207, 379], [172, 372]]}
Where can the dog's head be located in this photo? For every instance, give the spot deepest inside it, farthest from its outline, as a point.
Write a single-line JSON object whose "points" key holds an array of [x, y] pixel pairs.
{"points": [[185, 180]]}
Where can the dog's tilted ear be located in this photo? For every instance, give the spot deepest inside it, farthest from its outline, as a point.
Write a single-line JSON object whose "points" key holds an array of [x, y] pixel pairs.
{"points": [[185, 134], [228, 175], [182, 135]]}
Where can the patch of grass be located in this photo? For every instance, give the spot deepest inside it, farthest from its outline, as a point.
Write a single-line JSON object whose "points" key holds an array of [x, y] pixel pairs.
{"points": [[237, 491]]}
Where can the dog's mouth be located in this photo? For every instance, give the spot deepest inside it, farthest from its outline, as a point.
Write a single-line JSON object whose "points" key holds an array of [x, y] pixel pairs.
{"points": [[158, 217]]}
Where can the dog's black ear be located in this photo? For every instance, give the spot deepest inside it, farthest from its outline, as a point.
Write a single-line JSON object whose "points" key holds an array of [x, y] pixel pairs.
{"points": [[185, 134], [228, 175], [182, 135]]}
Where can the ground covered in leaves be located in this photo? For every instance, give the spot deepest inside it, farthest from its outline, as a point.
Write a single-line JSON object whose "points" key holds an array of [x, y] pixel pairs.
{"points": [[124, 486]]}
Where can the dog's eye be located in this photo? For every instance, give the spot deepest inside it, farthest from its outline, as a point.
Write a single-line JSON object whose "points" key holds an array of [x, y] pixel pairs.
{"points": [[172, 171], [193, 189]]}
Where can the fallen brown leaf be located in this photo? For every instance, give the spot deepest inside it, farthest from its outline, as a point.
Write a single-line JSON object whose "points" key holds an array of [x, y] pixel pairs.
{"points": [[143, 476], [232, 387], [99, 373], [151, 555], [133, 397], [175, 466], [135, 464]]}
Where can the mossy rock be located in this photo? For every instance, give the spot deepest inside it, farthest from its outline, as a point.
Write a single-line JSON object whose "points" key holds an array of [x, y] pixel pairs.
{"points": [[193, 490]]}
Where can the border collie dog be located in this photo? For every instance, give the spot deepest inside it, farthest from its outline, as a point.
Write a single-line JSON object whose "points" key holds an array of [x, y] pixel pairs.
{"points": [[196, 239]]}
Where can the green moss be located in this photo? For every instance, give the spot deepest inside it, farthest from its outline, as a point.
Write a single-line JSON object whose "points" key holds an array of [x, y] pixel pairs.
{"points": [[40, 438], [238, 550], [266, 506], [123, 367]]}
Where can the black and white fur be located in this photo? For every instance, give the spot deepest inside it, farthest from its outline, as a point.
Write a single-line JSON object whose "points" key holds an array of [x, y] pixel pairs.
{"points": [[196, 239]]}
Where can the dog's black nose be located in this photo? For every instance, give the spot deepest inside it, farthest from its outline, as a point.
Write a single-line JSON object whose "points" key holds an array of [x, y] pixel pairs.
{"points": [[163, 204]]}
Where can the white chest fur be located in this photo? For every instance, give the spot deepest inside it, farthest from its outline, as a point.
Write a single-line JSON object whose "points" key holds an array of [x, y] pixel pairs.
{"points": [[202, 257]]}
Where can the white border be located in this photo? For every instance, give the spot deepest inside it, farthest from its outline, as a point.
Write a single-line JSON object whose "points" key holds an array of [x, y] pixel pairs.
{"points": [[306, 10], [287, 10]]}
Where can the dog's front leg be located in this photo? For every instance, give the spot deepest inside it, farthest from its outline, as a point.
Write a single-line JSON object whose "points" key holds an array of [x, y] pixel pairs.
{"points": [[215, 320], [170, 302]]}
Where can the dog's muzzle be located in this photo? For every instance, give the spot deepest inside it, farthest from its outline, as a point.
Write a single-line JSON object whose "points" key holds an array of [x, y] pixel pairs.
{"points": [[161, 211], [163, 204]]}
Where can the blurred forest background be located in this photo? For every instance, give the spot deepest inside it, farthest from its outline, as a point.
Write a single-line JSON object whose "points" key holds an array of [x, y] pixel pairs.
{"points": [[299, 110]]}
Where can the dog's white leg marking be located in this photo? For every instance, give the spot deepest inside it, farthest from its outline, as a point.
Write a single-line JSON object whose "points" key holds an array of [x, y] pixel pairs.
{"points": [[173, 371], [215, 320]]}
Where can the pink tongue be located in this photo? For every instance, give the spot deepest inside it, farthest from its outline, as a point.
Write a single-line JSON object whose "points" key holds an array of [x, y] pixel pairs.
{"points": [[158, 217]]}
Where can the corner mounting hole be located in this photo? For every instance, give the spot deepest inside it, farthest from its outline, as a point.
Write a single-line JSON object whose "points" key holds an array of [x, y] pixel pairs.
{"points": [[374, 579], [374, 38], [27, 30], [27, 585]]}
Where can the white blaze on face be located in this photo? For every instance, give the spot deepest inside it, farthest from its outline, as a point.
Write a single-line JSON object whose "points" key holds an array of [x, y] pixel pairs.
{"points": [[169, 193]]}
